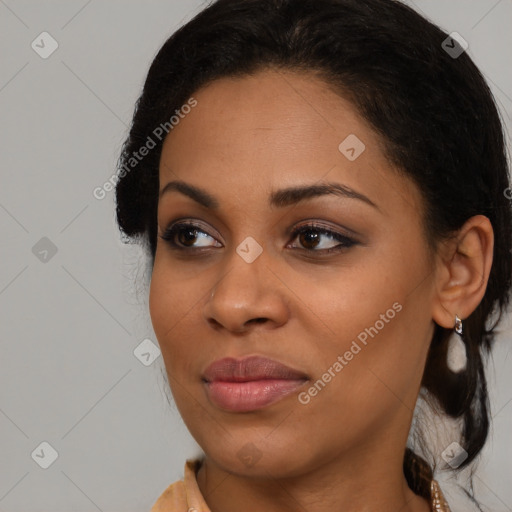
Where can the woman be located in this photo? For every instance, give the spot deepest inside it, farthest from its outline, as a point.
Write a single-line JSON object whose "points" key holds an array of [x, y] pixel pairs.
{"points": [[321, 188]]}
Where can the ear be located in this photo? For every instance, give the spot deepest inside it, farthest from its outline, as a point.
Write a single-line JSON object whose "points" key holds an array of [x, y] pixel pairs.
{"points": [[462, 271]]}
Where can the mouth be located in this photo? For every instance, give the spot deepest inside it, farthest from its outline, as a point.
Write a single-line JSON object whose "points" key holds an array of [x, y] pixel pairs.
{"points": [[249, 384]]}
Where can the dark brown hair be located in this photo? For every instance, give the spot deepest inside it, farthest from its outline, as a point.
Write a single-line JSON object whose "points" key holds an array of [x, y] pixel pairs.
{"points": [[434, 113]]}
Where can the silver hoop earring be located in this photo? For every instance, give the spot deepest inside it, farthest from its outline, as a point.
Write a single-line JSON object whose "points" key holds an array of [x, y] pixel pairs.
{"points": [[456, 356]]}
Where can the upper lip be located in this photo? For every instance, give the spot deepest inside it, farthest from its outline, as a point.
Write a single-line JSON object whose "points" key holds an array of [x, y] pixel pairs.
{"points": [[248, 369]]}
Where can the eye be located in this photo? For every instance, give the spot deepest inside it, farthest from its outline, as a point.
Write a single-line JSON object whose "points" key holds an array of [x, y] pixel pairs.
{"points": [[187, 233], [310, 237]]}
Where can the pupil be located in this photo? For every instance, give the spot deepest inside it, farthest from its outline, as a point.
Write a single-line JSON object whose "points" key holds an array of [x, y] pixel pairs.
{"points": [[309, 237], [188, 235]]}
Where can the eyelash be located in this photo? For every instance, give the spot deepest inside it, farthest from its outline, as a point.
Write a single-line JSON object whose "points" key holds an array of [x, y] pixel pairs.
{"points": [[345, 241]]}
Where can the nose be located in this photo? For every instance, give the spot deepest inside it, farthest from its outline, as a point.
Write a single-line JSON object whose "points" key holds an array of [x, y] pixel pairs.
{"points": [[247, 294]]}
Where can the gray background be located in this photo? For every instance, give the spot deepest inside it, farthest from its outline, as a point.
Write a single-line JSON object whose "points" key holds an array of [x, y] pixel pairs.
{"points": [[71, 321]]}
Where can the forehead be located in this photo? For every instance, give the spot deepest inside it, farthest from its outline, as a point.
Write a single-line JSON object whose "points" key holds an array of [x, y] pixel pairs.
{"points": [[283, 112], [273, 129]]}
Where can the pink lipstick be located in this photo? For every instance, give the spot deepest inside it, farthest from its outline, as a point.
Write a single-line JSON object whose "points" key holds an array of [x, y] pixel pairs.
{"points": [[249, 384]]}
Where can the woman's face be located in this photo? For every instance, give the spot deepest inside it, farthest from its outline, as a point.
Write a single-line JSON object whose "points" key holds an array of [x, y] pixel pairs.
{"points": [[346, 305]]}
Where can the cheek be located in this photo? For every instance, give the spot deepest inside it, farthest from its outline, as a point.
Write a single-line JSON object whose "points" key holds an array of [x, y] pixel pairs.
{"points": [[342, 304], [169, 303], [171, 296], [375, 316], [172, 305], [160, 300], [175, 298]]}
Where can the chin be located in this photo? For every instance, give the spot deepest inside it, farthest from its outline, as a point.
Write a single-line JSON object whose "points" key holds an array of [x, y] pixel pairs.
{"points": [[248, 458]]}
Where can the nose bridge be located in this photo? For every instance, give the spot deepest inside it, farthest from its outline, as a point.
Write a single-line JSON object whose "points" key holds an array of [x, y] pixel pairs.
{"points": [[245, 267], [247, 290]]}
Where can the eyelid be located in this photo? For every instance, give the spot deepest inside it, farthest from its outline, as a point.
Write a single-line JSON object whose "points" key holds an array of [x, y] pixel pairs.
{"points": [[322, 225], [345, 240], [188, 221], [317, 224]]}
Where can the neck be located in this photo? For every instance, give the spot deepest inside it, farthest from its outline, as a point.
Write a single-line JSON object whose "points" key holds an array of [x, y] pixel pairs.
{"points": [[349, 483]]}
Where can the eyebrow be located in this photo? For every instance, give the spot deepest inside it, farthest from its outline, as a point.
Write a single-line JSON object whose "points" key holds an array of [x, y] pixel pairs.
{"points": [[279, 199]]}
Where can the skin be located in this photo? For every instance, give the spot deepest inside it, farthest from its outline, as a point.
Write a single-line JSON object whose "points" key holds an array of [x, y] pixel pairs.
{"points": [[246, 138]]}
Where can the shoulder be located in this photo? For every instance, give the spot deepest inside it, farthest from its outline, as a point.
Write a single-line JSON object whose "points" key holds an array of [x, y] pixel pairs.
{"points": [[173, 499], [183, 495]]}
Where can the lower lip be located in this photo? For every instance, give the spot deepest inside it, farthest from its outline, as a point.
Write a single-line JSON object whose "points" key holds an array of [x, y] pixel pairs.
{"points": [[252, 395]]}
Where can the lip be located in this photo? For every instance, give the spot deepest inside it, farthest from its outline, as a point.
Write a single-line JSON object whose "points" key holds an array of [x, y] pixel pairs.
{"points": [[251, 383]]}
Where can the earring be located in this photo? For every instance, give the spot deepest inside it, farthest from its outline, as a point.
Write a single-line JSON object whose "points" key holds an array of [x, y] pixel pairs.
{"points": [[456, 357], [458, 325]]}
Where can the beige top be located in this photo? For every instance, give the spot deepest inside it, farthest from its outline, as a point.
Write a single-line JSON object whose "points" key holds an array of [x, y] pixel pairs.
{"points": [[185, 495]]}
